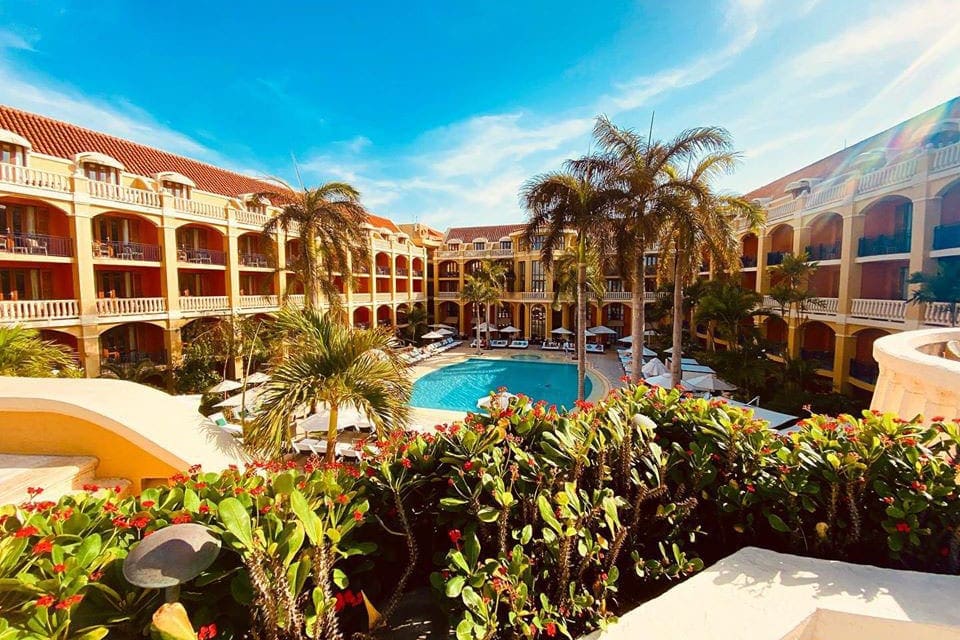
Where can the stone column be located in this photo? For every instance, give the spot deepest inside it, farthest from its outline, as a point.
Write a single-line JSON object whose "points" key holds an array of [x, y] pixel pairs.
{"points": [[280, 275], [844, 348], [926, 216], [169, 275], [849, 268]]}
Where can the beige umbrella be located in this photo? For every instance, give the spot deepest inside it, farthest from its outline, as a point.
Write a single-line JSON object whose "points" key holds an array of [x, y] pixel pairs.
{"points": [[225, 387]]}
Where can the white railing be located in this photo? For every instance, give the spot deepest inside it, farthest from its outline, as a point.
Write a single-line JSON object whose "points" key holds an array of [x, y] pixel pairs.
{"points": [[893, 174], [118, 193], [476, 253], [130, 306], [878, 309], [251, 217], [826, 194], [448, 295], [536, 295], [258, 302], [33, 310], [823, 306], [938, 313], [202, 304], [617, 295], [945, 157], [384, 297], [382, 245], [34, 178], [206, 210], [297, 300], [785, 209]]}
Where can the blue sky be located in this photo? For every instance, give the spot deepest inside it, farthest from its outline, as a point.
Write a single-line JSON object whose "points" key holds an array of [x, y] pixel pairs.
{"points": [[438, 112]]}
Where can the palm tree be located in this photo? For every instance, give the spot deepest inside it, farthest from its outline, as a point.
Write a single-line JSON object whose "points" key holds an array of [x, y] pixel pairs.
{"points": [[139, 372], [727, 305], [642, 170], [332, 364], [942, 286], [792, 292], [416, 323], [478, 291], [565, 271], [578, 198], [333, 235], [494, 274], [24, 353], [698, 226]]}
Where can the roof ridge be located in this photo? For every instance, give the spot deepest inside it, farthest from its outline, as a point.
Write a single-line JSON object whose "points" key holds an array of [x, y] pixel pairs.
{"points": [[131, 142]]}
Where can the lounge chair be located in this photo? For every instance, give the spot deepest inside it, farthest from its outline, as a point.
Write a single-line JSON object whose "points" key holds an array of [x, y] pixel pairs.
{"points": [[519, 344], [593, 348], [221, 421], [499, 344], [318, 447]]}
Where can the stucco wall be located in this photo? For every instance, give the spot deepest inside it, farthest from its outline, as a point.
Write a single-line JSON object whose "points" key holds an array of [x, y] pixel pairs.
{"points": [[914, 379]]}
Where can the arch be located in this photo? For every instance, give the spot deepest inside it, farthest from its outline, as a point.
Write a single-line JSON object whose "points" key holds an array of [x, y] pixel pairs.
{"points": [[63, 338], [36, 221], [132, 342], [863, 366], [950, 211], [173, 176], [471, 265], [417, 267], [448, 269], [362, 317], [384, 315], [781, 237], [776, 332], [449, 313], [98, 158], [256, 250], [383, 264], [886, 226], [826, 236], [749, 248], [818, 343], [400, 263]]}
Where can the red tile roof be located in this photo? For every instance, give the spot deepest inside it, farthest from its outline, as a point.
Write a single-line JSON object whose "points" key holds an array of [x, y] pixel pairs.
{"points": [[896, 139], [64, 140], [491, 233]]}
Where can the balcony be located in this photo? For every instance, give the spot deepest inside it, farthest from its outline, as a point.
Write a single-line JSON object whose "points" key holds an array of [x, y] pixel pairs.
{"points": [[202, 305], [202, 209], [864, 371], [449, 274], [946, 157], [134, 251], [383, 272], [824, 251], [124, 359], [448, 295], [946, 236], [38, 311], [748, 262], [890, 175], [475, 253], [259, 302], [131, 306], [823, 306], [126, 195], [942, 314], [775, 257], [384, 296], [883, 245], [201, 256], [402, 273], [35, 244], [878, 309], [417, 273], [34, 178], [256, 260], [297, 300], [252, 218], [821, 359]]}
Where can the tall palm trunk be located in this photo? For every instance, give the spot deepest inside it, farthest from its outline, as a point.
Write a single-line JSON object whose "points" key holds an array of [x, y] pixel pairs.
{"points": [[310, 268], [638, 319], [476, 315], [332, 432], [675, 370], [581, 322], [487, 314]]}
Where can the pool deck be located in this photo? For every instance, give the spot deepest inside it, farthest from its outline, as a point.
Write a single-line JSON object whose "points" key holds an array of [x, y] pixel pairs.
{"points": [[604, 369]]}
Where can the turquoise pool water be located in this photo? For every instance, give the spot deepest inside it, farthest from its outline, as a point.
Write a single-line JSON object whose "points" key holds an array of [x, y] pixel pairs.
{"points": [[458, 386]]}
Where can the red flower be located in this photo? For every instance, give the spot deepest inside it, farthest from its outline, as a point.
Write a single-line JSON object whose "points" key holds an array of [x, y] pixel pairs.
{"points": [[183, 518], [146, 504], [200, 485], [44, 546], [468, 465], [258, 490], [44, 601], [68, 602], [96, 575], [34, 491], [26, 532], [550, 629], [206, 632], [406, 462], [909, 442], [109, 507], [455, 536], [120, 522], [140, 522], [204, 508], [751, 488], [903, 527], [888, 499], [91, 487], [59, 567], [358, 515], [266, 508]]}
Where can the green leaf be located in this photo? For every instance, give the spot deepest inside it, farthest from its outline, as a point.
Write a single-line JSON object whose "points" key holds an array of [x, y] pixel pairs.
{"points": [[191, 501], [93, 634], [236, 520], [472, 599], [340, 578], [546, 512], [310, 520], [777, 523], [526, 534], [454, 586], [452, 504], [465, 629], [488, 514], [283, 483]]}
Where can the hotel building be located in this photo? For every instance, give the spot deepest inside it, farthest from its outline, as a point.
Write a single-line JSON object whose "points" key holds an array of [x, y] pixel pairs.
{"points": [[113, 247]]}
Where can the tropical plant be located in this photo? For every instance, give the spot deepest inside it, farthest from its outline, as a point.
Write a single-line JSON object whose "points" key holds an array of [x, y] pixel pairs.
{"points": [[24, 353], [577, 198], [143, 372], [642, 169], [478, 292], [727, 306], [326, 362], [792, 291], [565, 271], [332, 223], [416, 323], [942, 286], [698, 224], [494, 274]]}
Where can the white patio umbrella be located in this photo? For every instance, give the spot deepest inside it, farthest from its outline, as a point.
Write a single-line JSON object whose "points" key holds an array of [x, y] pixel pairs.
{"points": [[588, 334], [654, 368], [664, 380], [602, 331], [347, 417], [439, 325], [509, 329], [502, 400], [710, 382], [488, 327], [257, 377], [225, 387], [445, 332], [230, 403], [562, 331], [433, 335]]}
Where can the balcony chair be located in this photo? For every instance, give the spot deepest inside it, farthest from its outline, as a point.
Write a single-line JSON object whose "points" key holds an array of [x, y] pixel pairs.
{"points": [[36, 247]]}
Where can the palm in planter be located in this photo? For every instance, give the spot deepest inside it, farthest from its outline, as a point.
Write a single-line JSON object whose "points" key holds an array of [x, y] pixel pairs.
{"points": [[942, 286], [329, 363]]}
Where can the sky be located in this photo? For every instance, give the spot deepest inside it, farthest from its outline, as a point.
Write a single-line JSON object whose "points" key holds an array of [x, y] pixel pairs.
{"points": [[440, 111]]}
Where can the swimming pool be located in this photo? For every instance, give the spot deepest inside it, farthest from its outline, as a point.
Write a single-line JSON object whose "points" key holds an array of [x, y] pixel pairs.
{"points": [[458, 386]]}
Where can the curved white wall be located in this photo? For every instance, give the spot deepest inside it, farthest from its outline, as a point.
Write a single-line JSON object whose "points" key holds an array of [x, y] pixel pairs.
{"points": [[914, 376]]}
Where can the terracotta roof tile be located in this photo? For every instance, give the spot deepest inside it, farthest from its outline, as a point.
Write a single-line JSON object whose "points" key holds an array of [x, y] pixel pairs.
{"points": [[491, 233], [896, 139]]}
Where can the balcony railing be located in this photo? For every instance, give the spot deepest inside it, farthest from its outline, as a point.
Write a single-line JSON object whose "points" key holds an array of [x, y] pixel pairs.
{"points": [[946, 157], [384, 296], [186, 205], [135, 251], [748, 262], [123, 358], [884, 245], [824, 251], [823, 306], [417, 273], [38, 310], [259, 302], [201, 256], [128, 195], [878, 309], [130, 306], [251, 217], [893, 174], [449, 274], [257, 260], [946, 236], [28, 177], [864, 371], [204, 304], [297, 300], [822, 359], [383, 271], [775, 257], [448, 295], [35, 244], [939, 313], [402, 272]]}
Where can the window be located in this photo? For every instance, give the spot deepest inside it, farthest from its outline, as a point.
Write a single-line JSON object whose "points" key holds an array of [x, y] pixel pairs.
{"points": [[536, 243], [176, 189], [506, 245], [191, 238], [13, 154], [479, 246], [538, 283], [101, 173], [114, 229], [26, 284], [453, 246], [522, 276], [614, 285], [538, 325], [256, 207], [24, 219], [615, 312], [119, 284]]}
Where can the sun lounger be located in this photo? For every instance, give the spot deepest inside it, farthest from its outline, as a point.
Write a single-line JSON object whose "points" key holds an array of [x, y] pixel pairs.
{"points": [[519, 344], [318, 447], [499, 344], [593, 348], [550, 346]]}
